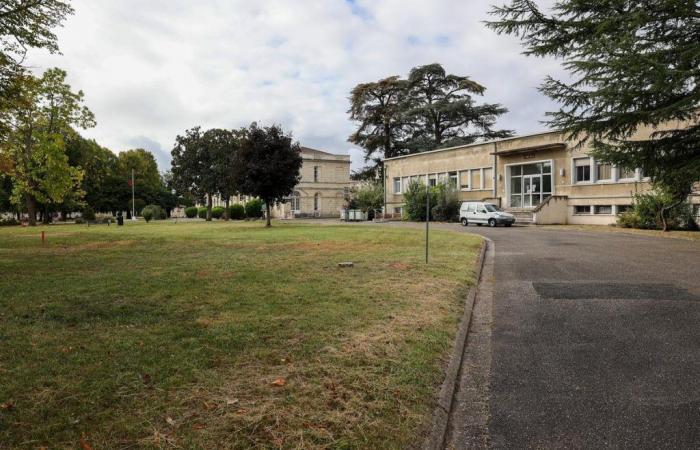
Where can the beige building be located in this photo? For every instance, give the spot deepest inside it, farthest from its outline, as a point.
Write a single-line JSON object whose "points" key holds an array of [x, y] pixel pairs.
{"points": [[325, 179], [542, 178]]}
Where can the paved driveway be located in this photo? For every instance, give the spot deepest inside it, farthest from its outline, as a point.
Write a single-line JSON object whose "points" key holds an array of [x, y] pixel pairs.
{"points": [[595, 340]]}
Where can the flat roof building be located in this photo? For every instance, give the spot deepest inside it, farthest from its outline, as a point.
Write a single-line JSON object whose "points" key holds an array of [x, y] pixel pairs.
{"points": [[542, 178]]}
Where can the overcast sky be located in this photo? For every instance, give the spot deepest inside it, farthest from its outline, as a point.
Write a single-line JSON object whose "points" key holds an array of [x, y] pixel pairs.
{"points": [[151, 69]]}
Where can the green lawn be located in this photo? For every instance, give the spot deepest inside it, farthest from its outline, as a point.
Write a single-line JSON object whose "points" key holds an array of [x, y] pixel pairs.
{"points": [[225, 335]]}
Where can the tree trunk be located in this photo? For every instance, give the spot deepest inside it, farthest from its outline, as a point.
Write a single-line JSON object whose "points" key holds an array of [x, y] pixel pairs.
{"points": [[31, 210], [228, 201], [267, 207], [209, 202]]}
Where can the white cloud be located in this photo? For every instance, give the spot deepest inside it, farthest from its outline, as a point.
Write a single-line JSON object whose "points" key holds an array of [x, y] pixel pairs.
{"points": [[152, 69]]}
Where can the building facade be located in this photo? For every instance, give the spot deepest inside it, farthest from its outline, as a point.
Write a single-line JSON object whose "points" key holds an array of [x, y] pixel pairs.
{"points": [[543, 178], [325, 181]]}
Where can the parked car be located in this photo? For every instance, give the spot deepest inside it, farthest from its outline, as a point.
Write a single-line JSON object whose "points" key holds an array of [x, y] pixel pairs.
{"points": [[484, 213]]}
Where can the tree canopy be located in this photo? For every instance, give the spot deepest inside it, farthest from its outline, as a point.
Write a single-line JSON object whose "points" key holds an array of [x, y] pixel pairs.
{"points": [[631, 65], [430, 109], [268, 164]]}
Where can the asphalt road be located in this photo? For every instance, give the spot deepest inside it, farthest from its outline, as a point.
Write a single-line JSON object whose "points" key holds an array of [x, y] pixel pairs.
{"points": [[595, 340]]}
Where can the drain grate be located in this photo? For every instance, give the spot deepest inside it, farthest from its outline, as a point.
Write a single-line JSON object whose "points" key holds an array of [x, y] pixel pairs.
{"points": [[611, 290]]}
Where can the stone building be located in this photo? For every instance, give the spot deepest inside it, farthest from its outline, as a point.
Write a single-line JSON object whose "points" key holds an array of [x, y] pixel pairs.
{"points": [[325, 180], [542, 178]]}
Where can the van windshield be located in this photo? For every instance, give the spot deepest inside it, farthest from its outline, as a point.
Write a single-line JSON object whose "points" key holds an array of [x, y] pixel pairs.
{"points": [[491, 208]]}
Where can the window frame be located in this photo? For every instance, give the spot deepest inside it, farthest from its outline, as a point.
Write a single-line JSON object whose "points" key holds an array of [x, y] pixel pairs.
{"points": [[597, 213], [574, 171], [581, 213]]}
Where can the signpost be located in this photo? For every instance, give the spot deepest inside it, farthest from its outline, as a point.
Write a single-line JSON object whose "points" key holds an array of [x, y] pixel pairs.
{"points": [[427, 219]]}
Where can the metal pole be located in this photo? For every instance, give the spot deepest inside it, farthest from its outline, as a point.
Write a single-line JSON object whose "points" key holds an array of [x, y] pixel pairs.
{"points": [[427, 219], [133, 197]]}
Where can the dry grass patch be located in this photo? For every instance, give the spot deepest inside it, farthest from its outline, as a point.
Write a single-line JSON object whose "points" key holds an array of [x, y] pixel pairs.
{"points": [[222, 335]]}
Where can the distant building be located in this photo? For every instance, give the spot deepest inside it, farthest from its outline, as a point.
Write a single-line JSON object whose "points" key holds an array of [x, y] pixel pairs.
{"points": [[325, 180], [542, 178]]}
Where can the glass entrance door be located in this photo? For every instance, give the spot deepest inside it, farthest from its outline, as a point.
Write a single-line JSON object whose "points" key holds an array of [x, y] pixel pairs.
{"points": [[532, 190]]}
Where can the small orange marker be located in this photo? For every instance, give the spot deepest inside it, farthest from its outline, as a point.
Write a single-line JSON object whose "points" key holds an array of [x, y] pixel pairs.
{"points": [[43, 239]]}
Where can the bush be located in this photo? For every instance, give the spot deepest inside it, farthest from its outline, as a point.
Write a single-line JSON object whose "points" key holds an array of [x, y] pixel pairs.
{"points": [[217, 212], [153, 212], [646, 213], [8, 222], [254, 208], [79, 220], [369, 197], [88, 214], [446, 200], [202, 212], [236, 212], [191, 212]]}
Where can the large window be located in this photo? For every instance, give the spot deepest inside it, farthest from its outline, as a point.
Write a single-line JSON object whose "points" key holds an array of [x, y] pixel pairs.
{"points": [[626, 174], [453, 179], [603, 171], [582, 170], [464, 180], [432, 179], [476, 179], [295, 201], [488, 178], [603, 209], [317, 202], [397, 185], [317, 169], [529, 184]]}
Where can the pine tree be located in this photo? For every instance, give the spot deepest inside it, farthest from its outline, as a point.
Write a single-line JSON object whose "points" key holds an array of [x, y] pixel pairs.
{"points": [[632, 65]]}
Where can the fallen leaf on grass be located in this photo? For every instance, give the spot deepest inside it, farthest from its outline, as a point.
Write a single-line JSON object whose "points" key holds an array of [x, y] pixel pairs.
{"points": [[279, 382], [170, 421], [83, 443], [198, 426], [242, 411], [7, 405], [231, 401]]}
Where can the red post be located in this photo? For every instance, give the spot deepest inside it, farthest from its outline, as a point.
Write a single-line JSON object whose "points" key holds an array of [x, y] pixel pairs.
{"points": [[43, 239]]}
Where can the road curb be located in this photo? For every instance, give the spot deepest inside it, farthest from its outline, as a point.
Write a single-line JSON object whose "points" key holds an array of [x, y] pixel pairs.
{"points": [[438, 432]]}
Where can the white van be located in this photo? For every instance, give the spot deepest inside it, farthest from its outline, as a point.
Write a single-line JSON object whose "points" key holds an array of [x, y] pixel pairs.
{"points": [[484, 213]]}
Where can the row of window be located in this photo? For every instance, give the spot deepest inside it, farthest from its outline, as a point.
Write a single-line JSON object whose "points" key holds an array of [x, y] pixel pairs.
{"points": [[588, 170], [600, 209], [465, 180]]}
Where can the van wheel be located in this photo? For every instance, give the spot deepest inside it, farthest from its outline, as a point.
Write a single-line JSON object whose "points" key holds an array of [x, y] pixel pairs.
{"points": [[492, 222], [465, 222]]}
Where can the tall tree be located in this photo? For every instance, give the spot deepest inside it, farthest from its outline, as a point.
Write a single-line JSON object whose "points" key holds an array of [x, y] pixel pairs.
{"points": [[442, 112], [202, 163], [268, 164], [24, 24], [377, 107], [632, 65], [36, 145]]}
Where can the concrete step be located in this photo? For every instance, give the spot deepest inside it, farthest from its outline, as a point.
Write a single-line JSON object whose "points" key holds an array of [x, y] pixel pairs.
{"points": [[522, 216]]}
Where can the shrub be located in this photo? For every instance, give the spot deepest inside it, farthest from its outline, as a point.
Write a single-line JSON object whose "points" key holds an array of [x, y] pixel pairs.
{"points": [[236, 212], [191, 212], [8, 222], [88, 214], [369, 197], [254, 208], [153, 212], [147, 214], [218, 212], [446, 200], [202, 212], [79, 220], [646, 213]]}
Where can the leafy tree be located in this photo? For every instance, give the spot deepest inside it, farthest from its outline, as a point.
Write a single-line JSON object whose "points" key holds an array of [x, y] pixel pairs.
{"points": [[202, 163], [377, 107], [442, 112], [428, 110], [24, 24], [267, 165], [36, 145], [369, 196], [632, 65], [145, 168]]}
